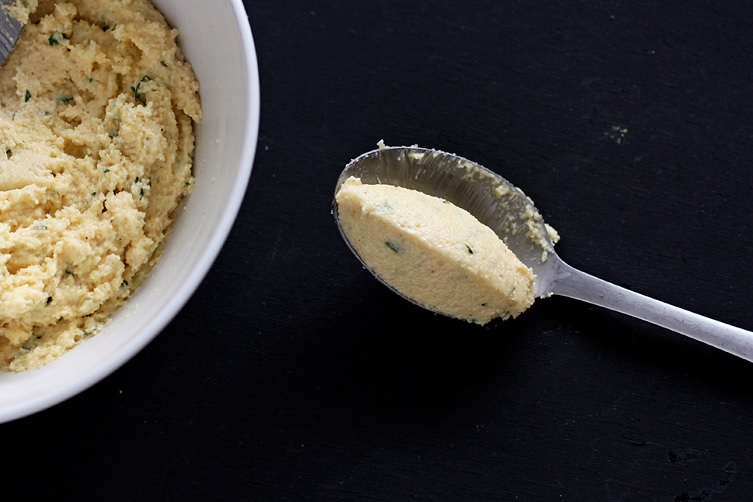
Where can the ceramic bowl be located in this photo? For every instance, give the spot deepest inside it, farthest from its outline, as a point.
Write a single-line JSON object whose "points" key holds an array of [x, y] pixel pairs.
{"points": [[216, 38]]}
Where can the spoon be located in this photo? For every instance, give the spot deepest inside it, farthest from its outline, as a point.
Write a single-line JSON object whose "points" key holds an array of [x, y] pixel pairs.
{"points": [[511, 214], [10, 29]]}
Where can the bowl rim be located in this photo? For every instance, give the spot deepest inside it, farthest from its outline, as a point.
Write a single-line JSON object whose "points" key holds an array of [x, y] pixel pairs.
{"points": [[53, 396]]}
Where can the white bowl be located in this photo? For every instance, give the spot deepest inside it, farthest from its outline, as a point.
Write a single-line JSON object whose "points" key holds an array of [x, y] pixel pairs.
{"points": [[217, 41]]}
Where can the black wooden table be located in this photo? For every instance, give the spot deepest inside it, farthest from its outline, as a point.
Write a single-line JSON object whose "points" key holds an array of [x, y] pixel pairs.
{"points": [[293, 375]]}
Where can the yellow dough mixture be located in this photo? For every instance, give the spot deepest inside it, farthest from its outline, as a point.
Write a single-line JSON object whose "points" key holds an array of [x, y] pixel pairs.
{"points": [[97, 108], [434, 252]]}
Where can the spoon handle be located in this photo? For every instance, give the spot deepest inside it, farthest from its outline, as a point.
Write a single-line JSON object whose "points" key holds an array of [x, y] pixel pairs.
{"points": [[573, 283]]}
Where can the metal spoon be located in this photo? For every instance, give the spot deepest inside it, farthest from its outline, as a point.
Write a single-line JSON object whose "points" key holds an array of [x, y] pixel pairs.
{"points": [[10, 29], [495, 202]]}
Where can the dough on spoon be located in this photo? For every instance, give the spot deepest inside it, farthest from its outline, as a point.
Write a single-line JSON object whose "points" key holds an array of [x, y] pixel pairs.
{"points": [[434, 252]]}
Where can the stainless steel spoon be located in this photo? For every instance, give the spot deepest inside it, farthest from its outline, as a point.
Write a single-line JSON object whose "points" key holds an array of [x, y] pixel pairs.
{"points": [[10, 29], [495, 202]]}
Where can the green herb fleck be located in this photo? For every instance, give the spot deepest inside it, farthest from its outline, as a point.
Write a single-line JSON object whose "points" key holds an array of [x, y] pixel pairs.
{"points": [[470, 249], [29, 344], [124, 284], [137, 89], [142, 184], [27, 96], [65, 99], [105, 170], [56, 38], [49, 299], [392, 246]]}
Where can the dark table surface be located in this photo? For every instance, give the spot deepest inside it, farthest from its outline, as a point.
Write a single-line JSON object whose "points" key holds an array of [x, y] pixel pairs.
{"points": [[293, 375]]}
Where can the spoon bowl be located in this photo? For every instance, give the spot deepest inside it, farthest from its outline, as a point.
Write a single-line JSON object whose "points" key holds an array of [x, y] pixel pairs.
{"points": [[512, 215], [489, 197]]}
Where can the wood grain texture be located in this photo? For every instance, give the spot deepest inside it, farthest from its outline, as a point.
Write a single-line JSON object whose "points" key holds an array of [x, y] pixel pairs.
{"points": [[293, 375]]}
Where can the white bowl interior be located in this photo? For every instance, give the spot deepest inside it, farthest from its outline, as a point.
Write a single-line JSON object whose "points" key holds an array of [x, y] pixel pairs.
{"points": [[216, 39]]}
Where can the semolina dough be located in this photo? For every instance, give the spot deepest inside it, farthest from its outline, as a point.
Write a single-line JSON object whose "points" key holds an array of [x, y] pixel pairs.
{"points": [[434, 252], [97, 108]]}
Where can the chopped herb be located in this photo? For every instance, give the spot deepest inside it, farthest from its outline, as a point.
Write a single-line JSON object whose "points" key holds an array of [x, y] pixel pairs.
{"points": [[64, 99], [142, 184], [105, 170], [31, 343], [56, 38], [49, 299], [470, 249], [392, 246], [124, 284], [27, 96], [103, 24], [137, 89]]}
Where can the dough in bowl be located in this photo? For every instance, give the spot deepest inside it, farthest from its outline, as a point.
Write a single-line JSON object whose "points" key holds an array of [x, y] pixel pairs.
{"points": [[97, 109]]}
